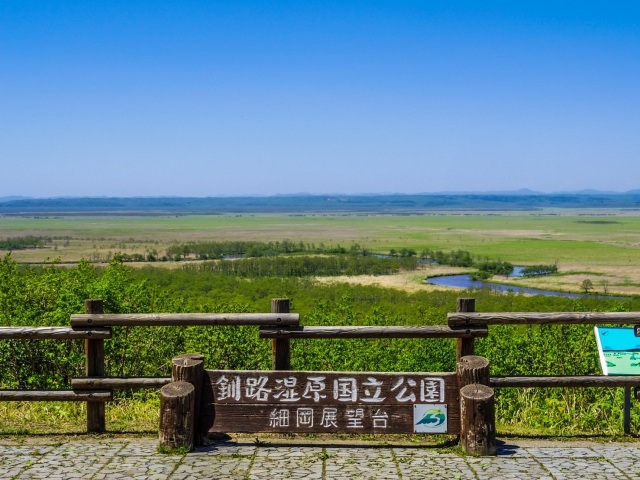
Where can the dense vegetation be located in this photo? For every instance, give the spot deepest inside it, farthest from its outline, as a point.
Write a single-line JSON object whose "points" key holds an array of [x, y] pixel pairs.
{"points": [[535, 270], [455, 258], [240, 249], [48, 295], [21, 243], [219, 250], [306, 266], [488, 268]]}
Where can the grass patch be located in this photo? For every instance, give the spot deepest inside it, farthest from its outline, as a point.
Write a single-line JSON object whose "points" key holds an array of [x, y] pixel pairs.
{"points": [[173, 451], [123, 416], [42, 418], [512, 237]]}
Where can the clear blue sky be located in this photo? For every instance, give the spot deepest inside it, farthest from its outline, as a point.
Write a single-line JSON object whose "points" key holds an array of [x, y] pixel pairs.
{"points": [[209, 98]]}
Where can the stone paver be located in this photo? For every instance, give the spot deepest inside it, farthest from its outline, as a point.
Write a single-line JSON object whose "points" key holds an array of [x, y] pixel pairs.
{"points": [[515, 468], [120, 459], [360, 462], [272, 462]]}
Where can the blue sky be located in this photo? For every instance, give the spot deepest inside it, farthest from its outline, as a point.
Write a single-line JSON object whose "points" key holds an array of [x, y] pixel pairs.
{"points": [[212, 98]]}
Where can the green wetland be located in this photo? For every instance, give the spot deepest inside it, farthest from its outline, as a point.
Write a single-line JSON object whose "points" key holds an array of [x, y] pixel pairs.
{"points": [[36, 289]]}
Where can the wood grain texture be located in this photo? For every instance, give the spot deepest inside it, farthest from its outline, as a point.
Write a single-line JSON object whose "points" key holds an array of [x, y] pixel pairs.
{"points": [[94, 362], [189, 368], [465, 346], [92, 396], [178, 319], [280, 347], [278, 418], [566, 381], [325, 388], [246, 401], [118, 383], [473, 369], [431, 331], [478, 428], [540, 318], [54, 333], [177, 415]]}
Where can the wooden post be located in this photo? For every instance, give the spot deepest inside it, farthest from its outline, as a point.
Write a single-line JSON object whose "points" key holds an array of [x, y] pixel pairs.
{"points": [[465, 346], [473, 369], [280, 348], [94, 367], [626, 411], [190, 368], [177, 416], [478, 422], [477, 406]]}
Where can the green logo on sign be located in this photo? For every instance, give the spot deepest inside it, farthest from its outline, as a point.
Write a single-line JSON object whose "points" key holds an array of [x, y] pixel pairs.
{"points": [[432, 418]]}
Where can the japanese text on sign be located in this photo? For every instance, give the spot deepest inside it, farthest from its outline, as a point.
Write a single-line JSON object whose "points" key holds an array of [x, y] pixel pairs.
{"points": [[350, 418], [316, 388]]}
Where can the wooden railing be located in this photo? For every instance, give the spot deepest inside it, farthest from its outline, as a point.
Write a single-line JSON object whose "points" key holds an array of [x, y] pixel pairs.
{"points": [[281, 326], [94, 327], [56, 333], [470, 319]]}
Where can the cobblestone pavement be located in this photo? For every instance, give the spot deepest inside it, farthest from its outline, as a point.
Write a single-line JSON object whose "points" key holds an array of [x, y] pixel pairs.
{"points": [[139, 458]]}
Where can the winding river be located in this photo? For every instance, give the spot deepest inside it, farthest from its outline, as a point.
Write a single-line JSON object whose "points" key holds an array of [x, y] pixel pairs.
{"points": [[465, 282]]}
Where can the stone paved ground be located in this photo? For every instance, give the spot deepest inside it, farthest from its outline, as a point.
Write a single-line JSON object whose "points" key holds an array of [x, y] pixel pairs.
{"points": [[138, 458]]}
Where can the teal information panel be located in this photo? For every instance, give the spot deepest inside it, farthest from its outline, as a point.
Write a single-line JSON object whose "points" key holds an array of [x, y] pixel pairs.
{"points": [[619, 350]]}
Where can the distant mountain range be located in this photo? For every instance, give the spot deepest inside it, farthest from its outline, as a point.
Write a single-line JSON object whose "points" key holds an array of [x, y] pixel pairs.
{"points": [[11, 199], [391, 203], [522, 191]]}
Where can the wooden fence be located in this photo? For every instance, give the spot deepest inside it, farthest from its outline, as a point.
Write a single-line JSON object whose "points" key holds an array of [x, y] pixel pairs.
{"points": [[94, 327], [470, 319], [281, 326]]}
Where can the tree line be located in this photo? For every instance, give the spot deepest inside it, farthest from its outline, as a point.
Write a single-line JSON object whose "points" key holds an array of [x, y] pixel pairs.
{"points": [[534, 270], [489, 268], [455, 258], [22, 243], [222, 249], [305, 266]]}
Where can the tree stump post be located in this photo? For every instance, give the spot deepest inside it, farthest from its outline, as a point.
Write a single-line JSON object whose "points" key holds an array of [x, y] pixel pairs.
{"points": [[477, 407], [190, 368], [472, 369], [177, 416], [94, 367], [478, 425], [465, 346], [280, 347]]}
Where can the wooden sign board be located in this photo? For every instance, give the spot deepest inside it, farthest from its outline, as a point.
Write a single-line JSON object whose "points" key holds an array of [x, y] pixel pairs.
{"points": [[329, 402]]}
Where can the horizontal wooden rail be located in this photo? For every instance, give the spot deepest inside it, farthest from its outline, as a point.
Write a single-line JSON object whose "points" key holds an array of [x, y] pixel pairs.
{"points": [[566, 318], [567, 381], [57, 333], [118, 383], [431, 331], [183, 319], [56, 395]]}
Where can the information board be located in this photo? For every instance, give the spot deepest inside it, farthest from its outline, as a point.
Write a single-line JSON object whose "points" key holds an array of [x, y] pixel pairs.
{"points": [[619, 350], [329, 402]]}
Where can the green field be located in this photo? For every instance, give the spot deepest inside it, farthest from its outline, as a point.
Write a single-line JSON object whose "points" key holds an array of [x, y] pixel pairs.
{"points": [[603, 244], [520, 237]]}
